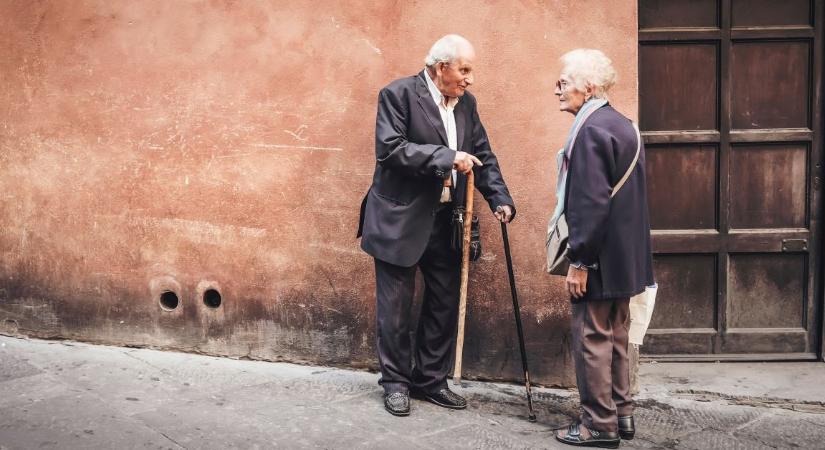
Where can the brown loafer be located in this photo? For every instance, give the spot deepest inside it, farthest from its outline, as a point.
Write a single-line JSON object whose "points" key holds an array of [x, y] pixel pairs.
{"points": [[600, 439]]}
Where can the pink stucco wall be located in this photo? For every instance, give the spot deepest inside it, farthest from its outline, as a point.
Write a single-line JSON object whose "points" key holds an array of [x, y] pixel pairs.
{"points": [[154, 145]]}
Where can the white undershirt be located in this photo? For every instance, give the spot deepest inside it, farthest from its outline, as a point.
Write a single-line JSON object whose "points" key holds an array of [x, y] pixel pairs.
{"points": [[446, 109]]}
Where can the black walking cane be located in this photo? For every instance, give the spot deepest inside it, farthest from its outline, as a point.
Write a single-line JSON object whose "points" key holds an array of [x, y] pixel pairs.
{"points": [[517, 312]]}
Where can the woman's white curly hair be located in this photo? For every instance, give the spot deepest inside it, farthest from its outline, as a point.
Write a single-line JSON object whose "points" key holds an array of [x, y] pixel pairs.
{"points": [[585, 66]]}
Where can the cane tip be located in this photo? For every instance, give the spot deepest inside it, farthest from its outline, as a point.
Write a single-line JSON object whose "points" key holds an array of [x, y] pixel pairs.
{"points": [[531, 418]]}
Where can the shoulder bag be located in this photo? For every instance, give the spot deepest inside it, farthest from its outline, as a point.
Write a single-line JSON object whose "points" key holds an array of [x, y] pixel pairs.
{"points": [[557, 233]]}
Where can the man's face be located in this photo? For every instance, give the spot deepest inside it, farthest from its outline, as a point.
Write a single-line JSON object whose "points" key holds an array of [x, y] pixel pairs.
{"points": [[453, 78], [570, 98]]}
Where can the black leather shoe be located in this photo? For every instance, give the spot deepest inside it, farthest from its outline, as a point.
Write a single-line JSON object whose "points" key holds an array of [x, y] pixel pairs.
{"points": [[601, 439], [397, 403], [627, 428], [444, 398]]}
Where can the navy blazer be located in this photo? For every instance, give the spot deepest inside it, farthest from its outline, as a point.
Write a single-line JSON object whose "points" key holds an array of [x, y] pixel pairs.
{"points": [[613, 232], [412, 161]]}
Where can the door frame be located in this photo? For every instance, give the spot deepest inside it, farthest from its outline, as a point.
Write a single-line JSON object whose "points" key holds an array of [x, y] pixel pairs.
{"points": [[818, 212]]}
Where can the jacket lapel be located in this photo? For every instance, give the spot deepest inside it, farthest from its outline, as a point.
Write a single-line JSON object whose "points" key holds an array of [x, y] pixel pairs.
{"points": [[428, 105], [459, 123]]}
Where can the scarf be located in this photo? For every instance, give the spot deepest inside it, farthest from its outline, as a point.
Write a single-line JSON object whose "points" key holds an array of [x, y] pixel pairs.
{"points": [[563, 156]]}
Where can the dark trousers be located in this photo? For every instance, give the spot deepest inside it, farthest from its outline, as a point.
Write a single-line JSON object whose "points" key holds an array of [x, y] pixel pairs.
{"points": [[599, 330], [395, 288]]}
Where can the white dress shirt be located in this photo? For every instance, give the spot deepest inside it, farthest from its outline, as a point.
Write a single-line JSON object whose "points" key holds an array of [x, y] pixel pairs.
{"points": [[446, 109]]}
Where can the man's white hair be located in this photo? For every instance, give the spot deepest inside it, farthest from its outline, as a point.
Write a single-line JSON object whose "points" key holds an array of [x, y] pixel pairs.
{"points": [[587, 66], [447, 49]]}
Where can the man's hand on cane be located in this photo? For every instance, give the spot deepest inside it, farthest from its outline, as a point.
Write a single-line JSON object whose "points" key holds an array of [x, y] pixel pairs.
{"points": [[464, 162], [504, 213]]}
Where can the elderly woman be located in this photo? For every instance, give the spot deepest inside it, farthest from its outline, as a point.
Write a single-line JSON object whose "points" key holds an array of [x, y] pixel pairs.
{"points": [[602, 196]]}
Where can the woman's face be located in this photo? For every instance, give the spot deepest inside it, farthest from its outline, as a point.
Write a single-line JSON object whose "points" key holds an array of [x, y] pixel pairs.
{"points": [[570, 98]]}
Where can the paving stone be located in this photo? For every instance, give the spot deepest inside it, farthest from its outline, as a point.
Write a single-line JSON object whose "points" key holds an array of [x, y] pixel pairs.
{"points": [[660, 424], [197, 426], [784, 430], [817, 420], [31, 389], [75, 421], [719, 440], [474, 436], [15, 366], [720, 417]]}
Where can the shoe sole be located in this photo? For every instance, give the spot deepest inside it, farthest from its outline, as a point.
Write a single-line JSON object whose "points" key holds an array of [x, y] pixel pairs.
{"points": [[597, 444], [627, 435], [444, 405], [397, 414]]}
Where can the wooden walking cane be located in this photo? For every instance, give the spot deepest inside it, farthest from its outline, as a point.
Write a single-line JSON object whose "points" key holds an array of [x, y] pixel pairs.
{"points": [[465, 272]]}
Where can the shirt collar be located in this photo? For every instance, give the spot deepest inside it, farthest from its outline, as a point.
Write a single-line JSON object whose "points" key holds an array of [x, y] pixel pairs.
{"points": [[436, 94]]}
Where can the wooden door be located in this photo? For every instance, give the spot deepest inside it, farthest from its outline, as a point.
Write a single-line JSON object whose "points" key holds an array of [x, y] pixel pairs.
{"points": [[730, 108]]}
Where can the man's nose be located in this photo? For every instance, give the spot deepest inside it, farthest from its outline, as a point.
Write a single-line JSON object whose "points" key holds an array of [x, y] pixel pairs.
{"points": [[469, 80]]}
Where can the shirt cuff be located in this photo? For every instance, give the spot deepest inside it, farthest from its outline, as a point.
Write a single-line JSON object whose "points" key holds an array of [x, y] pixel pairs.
{"points": [[582, 266]]}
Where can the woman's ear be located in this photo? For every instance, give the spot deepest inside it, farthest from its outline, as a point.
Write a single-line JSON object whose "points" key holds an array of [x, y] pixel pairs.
{"points": [[589, 91]]}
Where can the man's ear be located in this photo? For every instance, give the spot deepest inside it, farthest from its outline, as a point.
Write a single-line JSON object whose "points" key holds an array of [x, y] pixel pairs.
{"points": [[439, 69]]}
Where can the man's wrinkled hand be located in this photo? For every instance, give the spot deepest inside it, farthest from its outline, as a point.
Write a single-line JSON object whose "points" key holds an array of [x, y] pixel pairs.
{"points": [[504, 213], [576, 282], [464, 162]]}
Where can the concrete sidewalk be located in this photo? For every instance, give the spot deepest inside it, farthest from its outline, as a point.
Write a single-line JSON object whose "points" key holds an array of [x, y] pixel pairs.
{"points": [[791, 385], [73, 395]]}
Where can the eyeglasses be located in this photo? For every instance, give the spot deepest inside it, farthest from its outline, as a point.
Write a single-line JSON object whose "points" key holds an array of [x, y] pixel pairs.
{"points": [[562, 85]]}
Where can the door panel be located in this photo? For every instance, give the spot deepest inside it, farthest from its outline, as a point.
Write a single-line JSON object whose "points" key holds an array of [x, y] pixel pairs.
{"points": [[688, 74], [688, 291], [755, 13], [770, 96], [670, 14], [729, 93], [769, 186], [672, 168], [766, 291], [685, 318]]}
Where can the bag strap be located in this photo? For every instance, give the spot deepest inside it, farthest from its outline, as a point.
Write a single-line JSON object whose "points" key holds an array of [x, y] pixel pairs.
{"points": [[632, 165]]}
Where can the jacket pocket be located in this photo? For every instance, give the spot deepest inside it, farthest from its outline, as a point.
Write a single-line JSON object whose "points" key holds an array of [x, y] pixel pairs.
{"points": [[390, 199]]}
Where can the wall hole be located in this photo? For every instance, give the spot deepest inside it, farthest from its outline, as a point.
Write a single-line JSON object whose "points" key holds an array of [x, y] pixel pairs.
{"points": [[169, 300], [212, 298]]}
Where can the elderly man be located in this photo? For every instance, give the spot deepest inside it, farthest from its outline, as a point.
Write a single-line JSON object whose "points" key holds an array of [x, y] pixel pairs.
{"points": [[427, 137]]}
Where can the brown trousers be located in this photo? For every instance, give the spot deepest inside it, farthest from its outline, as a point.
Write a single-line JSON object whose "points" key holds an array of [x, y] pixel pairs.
{"points": [[599, 329]]}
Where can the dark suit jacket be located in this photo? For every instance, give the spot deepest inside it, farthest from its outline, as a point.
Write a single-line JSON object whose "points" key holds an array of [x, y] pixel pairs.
{"points": [[412, 161], [615, 233]]}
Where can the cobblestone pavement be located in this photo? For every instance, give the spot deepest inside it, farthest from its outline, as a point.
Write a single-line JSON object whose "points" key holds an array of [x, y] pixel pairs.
{"points": [[72, 395]]}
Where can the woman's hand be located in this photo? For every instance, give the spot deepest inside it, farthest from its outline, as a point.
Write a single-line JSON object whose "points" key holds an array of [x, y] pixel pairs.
{"points": [[576, 281]]}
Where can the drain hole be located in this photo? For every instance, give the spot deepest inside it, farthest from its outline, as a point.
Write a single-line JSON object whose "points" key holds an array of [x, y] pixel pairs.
{"points": [[212, 298], [169, 300]]}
